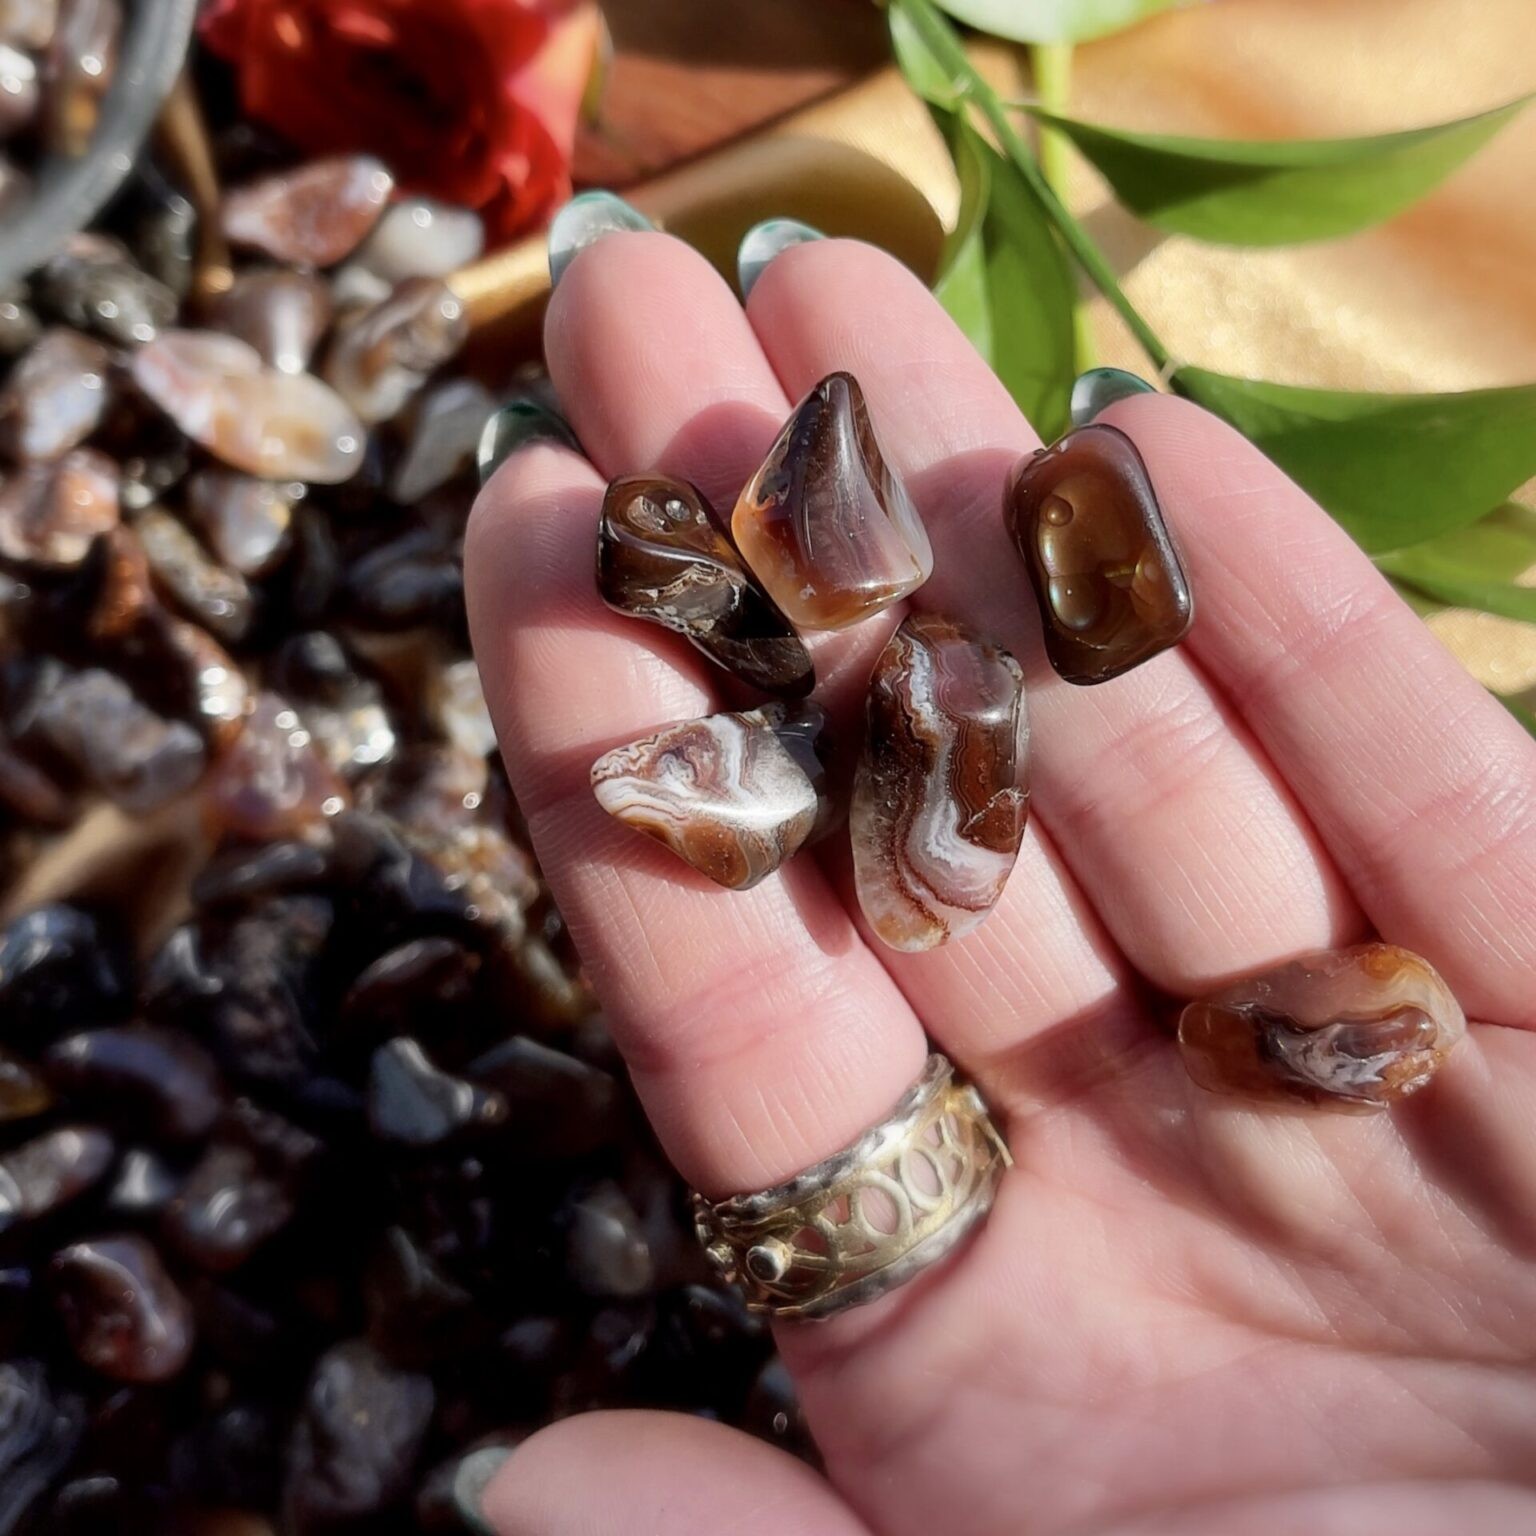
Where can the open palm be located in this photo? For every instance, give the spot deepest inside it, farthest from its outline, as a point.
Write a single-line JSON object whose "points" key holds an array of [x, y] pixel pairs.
{"points": [[1186, 1316]]}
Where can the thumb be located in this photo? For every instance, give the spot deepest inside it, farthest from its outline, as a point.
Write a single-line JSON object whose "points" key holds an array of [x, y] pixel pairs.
{"points": [[658, 1474]]}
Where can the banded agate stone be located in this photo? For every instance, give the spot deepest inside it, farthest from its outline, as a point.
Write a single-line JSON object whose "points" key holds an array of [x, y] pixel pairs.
{"points": [[662, 556], [941, 791], [826, 524], [734, 795], [1353, 1028], [1103, 563]]}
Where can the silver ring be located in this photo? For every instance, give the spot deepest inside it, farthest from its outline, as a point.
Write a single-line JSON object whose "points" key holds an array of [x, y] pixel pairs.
{"points": [[867, 1219]]}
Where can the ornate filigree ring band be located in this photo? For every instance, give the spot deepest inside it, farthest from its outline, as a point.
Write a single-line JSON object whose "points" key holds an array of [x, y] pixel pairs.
{"points": [[870, 1217]]}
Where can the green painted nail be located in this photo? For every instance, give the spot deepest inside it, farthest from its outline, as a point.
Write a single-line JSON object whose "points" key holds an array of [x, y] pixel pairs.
{"points": [[1096, 390], [762, 243], [583, 222], [470, 1481], [516, 424]]}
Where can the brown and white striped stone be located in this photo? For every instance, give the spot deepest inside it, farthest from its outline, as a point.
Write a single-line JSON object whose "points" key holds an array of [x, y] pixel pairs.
{"points": [[734, 795], [941, 792], [1354, 1028]]}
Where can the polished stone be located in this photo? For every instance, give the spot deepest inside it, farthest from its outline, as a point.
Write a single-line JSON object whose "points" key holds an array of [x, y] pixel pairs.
{"points": [[379, 359], [1352, 1028], [277, 426], [826, 524], [663, 556], [1104, 565], [942, 787], [729, 794], [312, 216]]}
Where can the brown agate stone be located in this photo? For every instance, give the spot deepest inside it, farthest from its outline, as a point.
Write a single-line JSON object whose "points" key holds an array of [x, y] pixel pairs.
{"points": [[826, 525], [1354, 1028], [733, 795], [1105, 569], [661, 555], [941, 792]]}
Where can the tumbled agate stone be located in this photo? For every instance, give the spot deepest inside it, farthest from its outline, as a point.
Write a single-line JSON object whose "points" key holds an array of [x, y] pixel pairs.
{"points": [[734, 795], [662, 556], [276, 426], [942, 787], [1356, 1028], [1104, 566], [826, 525]]}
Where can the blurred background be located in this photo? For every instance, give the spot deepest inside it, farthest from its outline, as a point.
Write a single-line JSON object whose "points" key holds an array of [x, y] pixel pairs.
{"points": [[318, 1172]]}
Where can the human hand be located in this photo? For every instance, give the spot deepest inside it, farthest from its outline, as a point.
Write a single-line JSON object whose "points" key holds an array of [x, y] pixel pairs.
{"points": [[1185, 1316]]}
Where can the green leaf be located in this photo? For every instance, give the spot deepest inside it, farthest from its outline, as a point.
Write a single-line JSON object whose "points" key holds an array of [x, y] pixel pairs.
{"points": [[1005, 280], [1475, 567], [1055, 21], [925, 74], [1393, 469], [1276, 193]]}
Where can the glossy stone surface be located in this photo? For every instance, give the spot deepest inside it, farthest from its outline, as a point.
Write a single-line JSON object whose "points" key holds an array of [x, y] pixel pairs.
{"points": [[55, 396], [274, 781], [728, 794], [446, 426], [122, 1312], [227, 1208], [313, 216], [218, 599], [94, 284], [421, 237], [662, 556], [826, 524], [156, 1082], [379, 359], [274, 425], [1355, 1028], [942, 787], [1105, 568], [413, 1103], [355, 1441], [280, 312], [118, 745], [51, 513], [41, 1175], [246, 521]]}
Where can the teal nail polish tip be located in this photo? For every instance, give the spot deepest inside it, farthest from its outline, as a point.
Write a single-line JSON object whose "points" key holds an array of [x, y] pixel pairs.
{"points": [[516, 424], [470, 1481], [763, 242], [585, 220], [1096, 390]]}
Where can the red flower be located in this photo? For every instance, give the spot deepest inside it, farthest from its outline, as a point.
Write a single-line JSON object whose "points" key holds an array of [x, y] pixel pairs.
{"points": [[471, 101]]}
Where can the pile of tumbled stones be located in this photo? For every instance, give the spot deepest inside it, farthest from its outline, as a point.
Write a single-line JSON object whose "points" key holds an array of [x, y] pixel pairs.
{"points": [[317, 1167]]}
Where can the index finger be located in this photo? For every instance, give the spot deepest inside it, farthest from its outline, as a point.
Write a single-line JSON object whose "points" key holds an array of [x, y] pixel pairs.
{"points": [[761, 1034]]}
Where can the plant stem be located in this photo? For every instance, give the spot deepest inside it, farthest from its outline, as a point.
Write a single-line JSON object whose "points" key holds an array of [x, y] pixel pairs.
{"points": [[945, 46], [1051, 66]]}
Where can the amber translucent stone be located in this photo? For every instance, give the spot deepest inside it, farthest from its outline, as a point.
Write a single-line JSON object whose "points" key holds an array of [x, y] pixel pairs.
{"points": [[941, 792], [662, 556], [1104, 565], [1354, 1028], [826, 524]]}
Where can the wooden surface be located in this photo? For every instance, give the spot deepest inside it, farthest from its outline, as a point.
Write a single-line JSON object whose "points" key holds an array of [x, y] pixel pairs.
{"points": [[690, 75]]}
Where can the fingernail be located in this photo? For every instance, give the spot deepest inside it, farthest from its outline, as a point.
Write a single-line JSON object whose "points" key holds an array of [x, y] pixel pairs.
{"points": [[583, 222], [762, 243], [470, 1481], [1095, 391], [517, 423]]}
